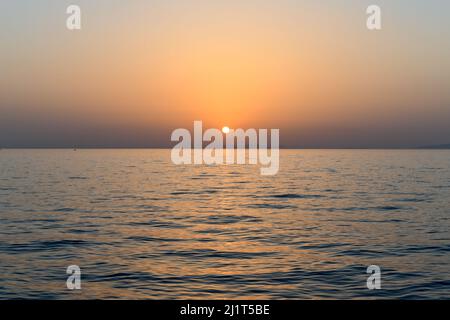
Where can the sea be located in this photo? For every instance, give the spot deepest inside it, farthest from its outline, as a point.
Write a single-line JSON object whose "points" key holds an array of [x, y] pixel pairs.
{"points": [[139, 227]]}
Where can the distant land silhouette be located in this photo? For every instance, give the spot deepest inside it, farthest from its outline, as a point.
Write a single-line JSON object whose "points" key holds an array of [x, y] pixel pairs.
{"points": [[439, 146]]}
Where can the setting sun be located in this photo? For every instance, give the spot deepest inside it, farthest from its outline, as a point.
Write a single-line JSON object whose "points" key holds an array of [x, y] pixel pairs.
{"points": [[225, 130]]}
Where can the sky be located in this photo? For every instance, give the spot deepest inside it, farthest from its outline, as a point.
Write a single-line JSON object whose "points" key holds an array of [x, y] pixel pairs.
{"points": [[139, 69]]}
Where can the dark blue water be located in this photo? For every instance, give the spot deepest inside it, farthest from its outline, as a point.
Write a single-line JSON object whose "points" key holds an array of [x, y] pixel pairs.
{"points": [[140, 227]]}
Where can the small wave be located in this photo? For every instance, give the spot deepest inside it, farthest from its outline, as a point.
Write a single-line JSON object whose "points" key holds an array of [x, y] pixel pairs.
{"points": [[322, 246], [271, 206], [426, 249], [365, 253], [296, 196], [213, 231], [8, 189], [159, 224], [388, 208], [209, 253], [219, 219], [414, 200], [64, 210], [152, 239], [208, 191], [46, 245], [81, 231]]}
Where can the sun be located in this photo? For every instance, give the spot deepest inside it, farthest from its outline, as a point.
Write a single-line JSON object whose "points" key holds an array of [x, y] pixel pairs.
{"points": [[225, 130]]}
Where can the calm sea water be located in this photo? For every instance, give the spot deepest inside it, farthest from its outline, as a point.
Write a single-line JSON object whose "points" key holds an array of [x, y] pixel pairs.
{"points": [[140, 227]]}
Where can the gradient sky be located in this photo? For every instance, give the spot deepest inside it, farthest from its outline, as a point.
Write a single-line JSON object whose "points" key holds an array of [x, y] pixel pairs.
{"points": [[139, 69]]}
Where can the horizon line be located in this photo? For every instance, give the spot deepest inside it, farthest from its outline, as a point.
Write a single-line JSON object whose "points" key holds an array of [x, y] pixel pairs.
{"points": [[443, 147]]}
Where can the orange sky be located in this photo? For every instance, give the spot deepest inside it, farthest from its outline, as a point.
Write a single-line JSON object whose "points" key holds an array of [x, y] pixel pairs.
{"points": [[303, 67]]}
